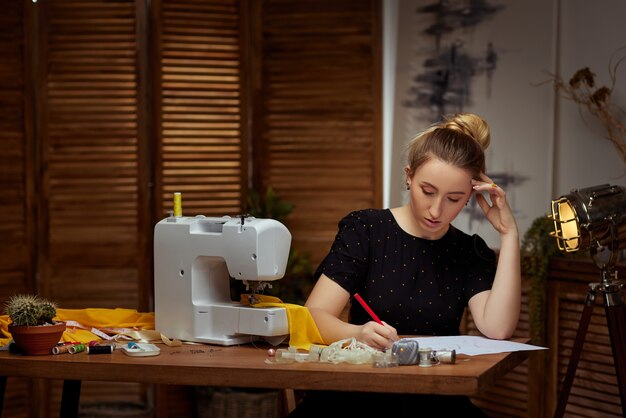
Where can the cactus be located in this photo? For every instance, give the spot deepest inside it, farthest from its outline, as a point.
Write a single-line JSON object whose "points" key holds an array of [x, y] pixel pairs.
{"points": [[30, 310]]}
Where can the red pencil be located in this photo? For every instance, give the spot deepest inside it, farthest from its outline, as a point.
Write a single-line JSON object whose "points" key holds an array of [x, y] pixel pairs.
{"points": [[367, 308]]}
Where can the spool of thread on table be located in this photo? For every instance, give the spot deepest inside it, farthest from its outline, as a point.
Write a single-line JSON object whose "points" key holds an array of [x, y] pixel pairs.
{"points": [[73, 349], [99, 349], [425, 357], [96, 342], [445, 356], [60, 349]]}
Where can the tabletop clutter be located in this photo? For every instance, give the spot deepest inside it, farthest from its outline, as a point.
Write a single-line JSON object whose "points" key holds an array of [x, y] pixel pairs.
{"points": [[132, 348], [403, 352]]}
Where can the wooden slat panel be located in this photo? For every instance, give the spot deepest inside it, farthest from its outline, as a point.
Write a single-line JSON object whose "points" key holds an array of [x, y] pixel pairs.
{"points": [[198, 85], [90, 152], [594, 390], [16, 165], [509, 397], [16, 405], [92, 225], [106, 396], [16, 269], [318, 137]]}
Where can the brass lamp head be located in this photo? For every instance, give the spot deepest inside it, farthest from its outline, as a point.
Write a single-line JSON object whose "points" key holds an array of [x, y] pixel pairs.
{"points": [[592, 217]]}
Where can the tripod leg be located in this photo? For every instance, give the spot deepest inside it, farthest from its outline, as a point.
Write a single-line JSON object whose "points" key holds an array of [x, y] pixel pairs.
{"points": [[616, 320], [576, 351]]}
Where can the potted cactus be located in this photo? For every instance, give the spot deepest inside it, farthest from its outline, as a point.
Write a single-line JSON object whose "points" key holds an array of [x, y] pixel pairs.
{"points": [[32, 326]]}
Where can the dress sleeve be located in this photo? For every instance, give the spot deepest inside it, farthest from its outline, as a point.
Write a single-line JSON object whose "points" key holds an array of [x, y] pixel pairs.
{"points": [[348, 260], [482, 269]]}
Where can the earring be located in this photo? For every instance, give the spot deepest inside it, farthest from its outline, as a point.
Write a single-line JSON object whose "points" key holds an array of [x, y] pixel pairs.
{"points": [[408, 186]]}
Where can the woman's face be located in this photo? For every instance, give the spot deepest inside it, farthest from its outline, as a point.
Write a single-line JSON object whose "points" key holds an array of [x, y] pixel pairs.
{"points": [[438, 192]]}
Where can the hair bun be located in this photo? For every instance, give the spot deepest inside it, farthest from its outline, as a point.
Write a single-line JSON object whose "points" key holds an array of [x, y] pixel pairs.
{"points": [[471, 125]]}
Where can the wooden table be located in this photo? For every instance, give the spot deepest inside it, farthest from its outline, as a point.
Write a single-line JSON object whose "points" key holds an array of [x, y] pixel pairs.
{"points": [[246, 366]]}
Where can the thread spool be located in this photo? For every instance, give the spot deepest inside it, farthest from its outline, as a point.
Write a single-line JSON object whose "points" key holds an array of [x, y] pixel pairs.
{"points": [[445, 356], [61, 349], [425, 357], [99, 349], [178, 205], [73, 349], [109, 343]]}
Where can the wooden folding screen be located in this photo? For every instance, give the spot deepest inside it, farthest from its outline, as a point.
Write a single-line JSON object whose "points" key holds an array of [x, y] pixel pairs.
{"points": [[109, 107], [93, 206]]}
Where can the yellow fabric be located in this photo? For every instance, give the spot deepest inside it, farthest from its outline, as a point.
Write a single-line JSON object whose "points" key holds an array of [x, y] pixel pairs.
{"points": [[108, 318], [5, 335], [303, 331], [85, 325]]}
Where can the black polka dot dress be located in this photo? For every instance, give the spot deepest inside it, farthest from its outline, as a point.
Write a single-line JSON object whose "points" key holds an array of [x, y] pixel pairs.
{"points": [[419, 286]]}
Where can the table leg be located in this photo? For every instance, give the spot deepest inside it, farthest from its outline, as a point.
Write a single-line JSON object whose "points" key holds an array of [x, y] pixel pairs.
{"points": [[70, 399], [3, 386]]}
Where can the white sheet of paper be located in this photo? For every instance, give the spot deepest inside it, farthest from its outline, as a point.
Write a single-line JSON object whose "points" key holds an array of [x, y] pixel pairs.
{"points": [[473, 345]]}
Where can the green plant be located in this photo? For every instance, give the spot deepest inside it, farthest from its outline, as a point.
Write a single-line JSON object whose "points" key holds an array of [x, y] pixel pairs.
{"points": [[268, 205], [30, 310], [538, 246]]}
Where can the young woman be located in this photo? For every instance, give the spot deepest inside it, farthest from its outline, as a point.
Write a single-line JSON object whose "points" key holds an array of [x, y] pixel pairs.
{"points": [[416, 270]]}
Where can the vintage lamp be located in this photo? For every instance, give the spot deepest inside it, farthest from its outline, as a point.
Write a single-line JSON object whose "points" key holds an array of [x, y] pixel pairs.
{"points": [[594, 218]]}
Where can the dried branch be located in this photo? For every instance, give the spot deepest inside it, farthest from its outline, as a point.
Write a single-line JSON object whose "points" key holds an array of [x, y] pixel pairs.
{"points": [[581, 89]]}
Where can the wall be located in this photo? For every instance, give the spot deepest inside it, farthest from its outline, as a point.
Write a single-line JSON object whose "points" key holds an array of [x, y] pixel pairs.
{"points": [[539, 142], [589, 33]]}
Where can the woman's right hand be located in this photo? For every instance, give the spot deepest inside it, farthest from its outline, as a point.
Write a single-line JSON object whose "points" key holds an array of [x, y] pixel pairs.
{"points": [[377, 336], [326, 304]]}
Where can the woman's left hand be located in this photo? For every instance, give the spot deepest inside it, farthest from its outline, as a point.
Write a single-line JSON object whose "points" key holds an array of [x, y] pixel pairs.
{"points": [[498, 212]]}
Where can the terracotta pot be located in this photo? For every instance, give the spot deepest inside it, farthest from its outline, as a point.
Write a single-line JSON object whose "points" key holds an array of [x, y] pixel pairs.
{"points": [[37, 340]]}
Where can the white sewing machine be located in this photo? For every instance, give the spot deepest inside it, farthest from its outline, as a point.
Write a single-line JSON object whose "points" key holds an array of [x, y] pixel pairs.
{"points": [[194, 258]]}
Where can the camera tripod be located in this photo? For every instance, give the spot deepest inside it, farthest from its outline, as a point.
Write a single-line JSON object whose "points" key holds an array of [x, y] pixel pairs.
{"points": [[615, 312]]}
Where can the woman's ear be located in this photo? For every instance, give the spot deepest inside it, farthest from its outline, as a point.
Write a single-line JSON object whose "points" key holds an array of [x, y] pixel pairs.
{"points": [[407, 173]]}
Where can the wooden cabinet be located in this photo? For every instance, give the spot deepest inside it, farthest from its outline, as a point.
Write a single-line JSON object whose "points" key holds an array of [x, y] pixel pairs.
{"points": [[531, 390], [594, 391]]}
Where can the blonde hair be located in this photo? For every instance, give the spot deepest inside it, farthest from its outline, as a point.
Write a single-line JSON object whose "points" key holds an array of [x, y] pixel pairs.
{"points": [[460, 140]]}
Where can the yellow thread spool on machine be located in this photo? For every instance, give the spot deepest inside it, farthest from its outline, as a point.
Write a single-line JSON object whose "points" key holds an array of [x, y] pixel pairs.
{"points": [[178, 206]]}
